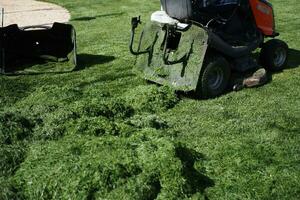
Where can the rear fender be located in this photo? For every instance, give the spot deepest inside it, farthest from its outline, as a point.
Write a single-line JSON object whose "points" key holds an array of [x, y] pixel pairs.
{"points": [[264, 16], [172, 57]]}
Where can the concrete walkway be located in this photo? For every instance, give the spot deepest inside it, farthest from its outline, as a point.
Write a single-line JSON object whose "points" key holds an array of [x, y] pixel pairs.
{"points": [[30, 12]]}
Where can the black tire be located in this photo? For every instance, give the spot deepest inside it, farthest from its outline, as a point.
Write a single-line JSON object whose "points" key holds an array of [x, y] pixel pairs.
{"points": [[214, 78], [273, 55]]}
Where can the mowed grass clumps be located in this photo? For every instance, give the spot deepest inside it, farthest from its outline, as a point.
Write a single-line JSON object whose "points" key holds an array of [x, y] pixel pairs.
{"points": [[142, 166], [14, 127], [99, 115], [109, 115], [15, 131], [151, 98], [85, 133], [95, 116], [111, 108], [56, 112]]}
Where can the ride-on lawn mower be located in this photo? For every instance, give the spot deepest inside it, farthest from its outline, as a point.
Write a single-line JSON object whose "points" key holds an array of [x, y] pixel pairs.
{"points": [[195, 45]]}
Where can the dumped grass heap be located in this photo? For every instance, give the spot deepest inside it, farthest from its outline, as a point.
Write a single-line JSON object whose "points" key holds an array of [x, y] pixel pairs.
{"points": [[15, 134], [94, 148], [15, 131], [142, 166], [151, 99]]}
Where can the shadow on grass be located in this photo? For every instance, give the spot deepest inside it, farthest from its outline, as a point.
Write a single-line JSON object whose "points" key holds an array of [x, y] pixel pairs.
{"points": [[18, 66], [293, 62], [88, 60], [195, 181], [105, 78], [288, 125], [89, 18], [83, 61], [294, 59], [13, 90]]}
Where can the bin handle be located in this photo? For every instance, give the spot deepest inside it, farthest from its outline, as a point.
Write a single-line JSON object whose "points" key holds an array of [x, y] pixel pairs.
{"points": [[36, 26], [135, 21]]}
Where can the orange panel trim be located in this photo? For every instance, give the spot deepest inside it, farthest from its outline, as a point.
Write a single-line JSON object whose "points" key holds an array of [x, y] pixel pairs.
{"points": [[264, 16]]}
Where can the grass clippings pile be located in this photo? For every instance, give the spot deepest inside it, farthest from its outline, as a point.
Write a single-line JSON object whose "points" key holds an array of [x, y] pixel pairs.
{"points": [[99, 147], [151, 99], [15, 131], [142, 166]]}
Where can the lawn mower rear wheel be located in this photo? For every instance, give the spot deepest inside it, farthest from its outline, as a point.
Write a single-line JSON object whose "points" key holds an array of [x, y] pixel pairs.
{"points": [[214, 78], [273, 55]]}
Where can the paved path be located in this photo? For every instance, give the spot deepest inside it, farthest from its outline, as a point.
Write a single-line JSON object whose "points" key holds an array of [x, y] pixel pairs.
{"points": [[30, 12]]}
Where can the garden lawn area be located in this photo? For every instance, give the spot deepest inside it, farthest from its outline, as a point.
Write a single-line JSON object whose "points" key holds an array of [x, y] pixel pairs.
{"points": [[101, 132]]}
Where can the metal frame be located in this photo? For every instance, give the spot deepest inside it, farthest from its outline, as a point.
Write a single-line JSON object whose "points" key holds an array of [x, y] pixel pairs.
{"points": [[135, 21]]}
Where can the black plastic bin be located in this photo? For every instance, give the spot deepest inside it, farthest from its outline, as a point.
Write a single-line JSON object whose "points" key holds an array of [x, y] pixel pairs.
{"points": [[19, 45]]}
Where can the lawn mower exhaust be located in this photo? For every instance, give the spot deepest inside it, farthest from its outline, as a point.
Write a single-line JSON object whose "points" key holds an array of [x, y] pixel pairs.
{"points": [[197, 45]]}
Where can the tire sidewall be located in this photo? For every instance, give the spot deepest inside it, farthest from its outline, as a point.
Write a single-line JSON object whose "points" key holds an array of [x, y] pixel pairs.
{"points": [[206, 91], [267, 54]]}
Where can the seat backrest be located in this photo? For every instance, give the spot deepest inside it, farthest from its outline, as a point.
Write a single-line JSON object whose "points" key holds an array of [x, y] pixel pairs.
{"points": [[178, 9]]}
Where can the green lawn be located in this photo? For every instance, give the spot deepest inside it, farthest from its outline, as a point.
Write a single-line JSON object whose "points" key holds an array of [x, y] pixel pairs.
{"points": [[101, 132]]}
